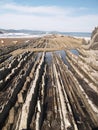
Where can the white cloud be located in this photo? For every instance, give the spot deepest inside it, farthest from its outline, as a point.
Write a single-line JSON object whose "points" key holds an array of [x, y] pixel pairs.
{"points": [[49, 10], [46, 18]]}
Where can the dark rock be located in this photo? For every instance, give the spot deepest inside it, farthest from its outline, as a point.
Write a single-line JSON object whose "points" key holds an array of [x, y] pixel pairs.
{"points": [[1, 32]]}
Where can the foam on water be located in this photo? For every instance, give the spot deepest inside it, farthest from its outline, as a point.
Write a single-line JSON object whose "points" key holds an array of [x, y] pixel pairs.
{"points": [[84, 35], [18, 35]]}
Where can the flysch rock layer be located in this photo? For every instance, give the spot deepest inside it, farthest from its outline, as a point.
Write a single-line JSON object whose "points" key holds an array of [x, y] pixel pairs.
{"points": [[49, 83]]}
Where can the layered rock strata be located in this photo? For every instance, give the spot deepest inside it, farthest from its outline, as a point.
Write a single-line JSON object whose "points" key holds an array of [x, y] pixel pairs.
{"points": [[55, 90]]}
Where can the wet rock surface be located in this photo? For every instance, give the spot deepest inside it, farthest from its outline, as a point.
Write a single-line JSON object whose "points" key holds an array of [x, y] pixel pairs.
{"points": [[52, 88]]}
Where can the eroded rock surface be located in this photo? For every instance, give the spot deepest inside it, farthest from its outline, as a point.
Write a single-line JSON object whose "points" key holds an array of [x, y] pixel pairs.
{"points": [[94, 39], [49, 89]]}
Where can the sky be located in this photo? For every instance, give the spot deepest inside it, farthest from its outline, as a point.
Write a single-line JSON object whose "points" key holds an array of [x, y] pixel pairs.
{"points": [[49, 15]]}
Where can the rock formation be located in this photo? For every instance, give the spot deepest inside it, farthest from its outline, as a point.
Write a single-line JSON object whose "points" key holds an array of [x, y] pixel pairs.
{"points": [[94, 39], [49, 89], [1, 32]]}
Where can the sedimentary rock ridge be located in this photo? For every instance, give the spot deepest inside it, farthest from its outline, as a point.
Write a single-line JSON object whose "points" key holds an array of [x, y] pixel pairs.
{"points": [[94, 39], [56, 90]]}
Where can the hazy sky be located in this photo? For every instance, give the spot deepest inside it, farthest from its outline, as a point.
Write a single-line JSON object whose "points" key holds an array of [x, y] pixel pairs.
{"points": [[50, 15]]}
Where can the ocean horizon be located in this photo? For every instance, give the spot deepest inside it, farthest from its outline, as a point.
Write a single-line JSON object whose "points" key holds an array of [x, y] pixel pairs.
{"points": [[43, 33]]}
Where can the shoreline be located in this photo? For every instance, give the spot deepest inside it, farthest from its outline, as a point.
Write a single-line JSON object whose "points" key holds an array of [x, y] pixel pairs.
{"points": [[86, 38], [52, 39], [26, 35], [39, 36]]}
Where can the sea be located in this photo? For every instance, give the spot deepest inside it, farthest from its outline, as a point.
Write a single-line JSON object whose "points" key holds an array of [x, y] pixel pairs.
{"points": [[85, 35]]}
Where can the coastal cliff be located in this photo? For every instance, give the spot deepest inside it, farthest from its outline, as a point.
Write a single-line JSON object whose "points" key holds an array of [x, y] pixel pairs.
{"points": [[94, 39]]}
